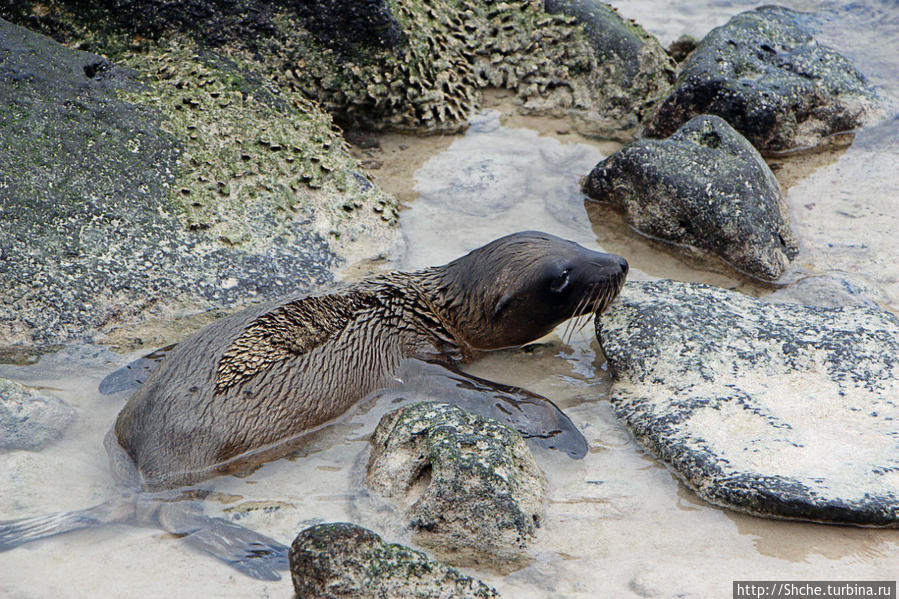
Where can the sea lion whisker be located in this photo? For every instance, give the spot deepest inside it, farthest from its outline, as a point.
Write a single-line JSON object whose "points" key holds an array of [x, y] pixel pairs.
{"points": [[569, 328]]}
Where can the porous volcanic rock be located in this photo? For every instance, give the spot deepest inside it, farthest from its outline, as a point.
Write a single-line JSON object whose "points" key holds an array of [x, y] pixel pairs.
{"points": [[704, 187], [766, 75], [470, 487], [191, 185], [30, 419], [778, 410], [341, 560], [417, 65]]}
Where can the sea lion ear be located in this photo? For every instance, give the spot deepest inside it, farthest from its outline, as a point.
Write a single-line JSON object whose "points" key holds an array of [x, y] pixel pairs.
{"points": [[500, 306], [290, 330]]}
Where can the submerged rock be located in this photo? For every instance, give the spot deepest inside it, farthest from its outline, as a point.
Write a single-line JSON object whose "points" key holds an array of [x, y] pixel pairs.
{"points": [[706, 187], [765, 74], [29, 419], [196, 186], [340, 560], [470, 486], [830, 290], [778, 410]]}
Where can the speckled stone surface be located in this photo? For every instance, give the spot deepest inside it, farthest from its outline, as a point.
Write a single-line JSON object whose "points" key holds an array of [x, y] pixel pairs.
{"points": [[705, 187], [765, 74], [30, 419], [778, 410], [341, 560], [471, 489]]}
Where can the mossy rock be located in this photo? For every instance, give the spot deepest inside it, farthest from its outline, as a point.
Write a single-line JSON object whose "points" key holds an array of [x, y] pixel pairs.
{"points": [[184, 183], [342, 560]]}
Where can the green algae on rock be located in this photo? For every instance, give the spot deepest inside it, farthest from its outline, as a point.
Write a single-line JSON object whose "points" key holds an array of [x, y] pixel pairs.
{"points": [[342, 560], [470, 487], [703, 187], [196, 187], [766, 75], [252, 150]]}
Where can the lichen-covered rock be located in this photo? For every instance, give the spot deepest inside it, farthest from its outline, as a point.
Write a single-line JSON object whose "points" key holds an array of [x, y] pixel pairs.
{"points": [[778, 410], [340, 560], [195, 187], [765, 74], [29, 419], [470, 487], [706, 187]]}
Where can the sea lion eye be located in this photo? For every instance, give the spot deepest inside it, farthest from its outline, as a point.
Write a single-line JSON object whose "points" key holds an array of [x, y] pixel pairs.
{"points": [[560, 283]]}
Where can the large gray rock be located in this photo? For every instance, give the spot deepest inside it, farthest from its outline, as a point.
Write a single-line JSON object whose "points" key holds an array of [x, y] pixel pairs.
{"points": [[766, 75], [469, 485], [29, 419], [778, 410], [705, 187], [340, 560], [197, 186]]}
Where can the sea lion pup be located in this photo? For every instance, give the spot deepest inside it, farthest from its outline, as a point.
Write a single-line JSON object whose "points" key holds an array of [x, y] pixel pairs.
{"points": [[241, 390]]}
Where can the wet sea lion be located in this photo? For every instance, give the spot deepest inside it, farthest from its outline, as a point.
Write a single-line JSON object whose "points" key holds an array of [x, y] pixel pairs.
{"points": [[242, 389]]}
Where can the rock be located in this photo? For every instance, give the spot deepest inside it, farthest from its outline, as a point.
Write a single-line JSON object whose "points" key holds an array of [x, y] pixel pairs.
{"points": [[765, 74], [633, 71], [331, 561], [196, 186], [681, 48], [778, 410], [29, 419], [417, 66], [470, 487], [706, 187], [830, 290]]}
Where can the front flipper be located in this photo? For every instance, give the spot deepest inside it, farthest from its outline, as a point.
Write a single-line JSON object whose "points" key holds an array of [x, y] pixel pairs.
{"points": [[131, 376], [248, 551], [537, 418]]}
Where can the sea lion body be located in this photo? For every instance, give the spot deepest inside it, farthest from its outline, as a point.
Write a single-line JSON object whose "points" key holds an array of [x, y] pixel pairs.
{"points": [[240, 390], [257, 378]]}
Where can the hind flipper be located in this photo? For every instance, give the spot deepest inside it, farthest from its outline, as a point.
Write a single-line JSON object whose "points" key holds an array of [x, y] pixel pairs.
{"points": [[537, 418], [131, 376], [249, 552], [18, 532]]}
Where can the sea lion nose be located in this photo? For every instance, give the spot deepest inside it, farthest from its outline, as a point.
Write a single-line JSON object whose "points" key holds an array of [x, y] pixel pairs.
{"points": [[622, 263]]}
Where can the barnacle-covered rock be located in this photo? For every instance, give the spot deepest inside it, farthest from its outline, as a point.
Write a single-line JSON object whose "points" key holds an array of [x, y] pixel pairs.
{"points": [[579, 59], [129, 196]]}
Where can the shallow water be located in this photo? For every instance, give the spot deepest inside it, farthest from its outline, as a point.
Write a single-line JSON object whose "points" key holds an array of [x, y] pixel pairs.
{"points": [[618, 524]]}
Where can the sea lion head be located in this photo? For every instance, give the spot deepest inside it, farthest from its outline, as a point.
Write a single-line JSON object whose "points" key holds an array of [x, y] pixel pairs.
{"points": [[520, 287]]}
